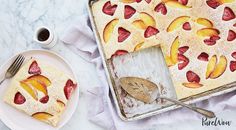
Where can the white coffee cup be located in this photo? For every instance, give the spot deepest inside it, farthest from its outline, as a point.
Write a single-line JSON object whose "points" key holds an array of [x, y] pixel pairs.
{"points": [[45, 37]]}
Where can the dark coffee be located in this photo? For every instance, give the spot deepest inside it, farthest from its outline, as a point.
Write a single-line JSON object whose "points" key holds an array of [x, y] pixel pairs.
{"points": [[43, 35]]}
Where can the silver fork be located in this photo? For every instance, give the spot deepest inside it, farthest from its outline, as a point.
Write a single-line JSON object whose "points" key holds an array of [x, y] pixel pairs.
{"points": [[13, 69]]}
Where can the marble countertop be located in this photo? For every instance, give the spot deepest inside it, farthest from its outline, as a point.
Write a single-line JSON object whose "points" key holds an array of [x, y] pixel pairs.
{"points": [[18, 21]]}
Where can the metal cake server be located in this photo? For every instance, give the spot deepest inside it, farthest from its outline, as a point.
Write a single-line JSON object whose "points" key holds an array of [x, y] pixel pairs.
{"points": [[143, 90]]}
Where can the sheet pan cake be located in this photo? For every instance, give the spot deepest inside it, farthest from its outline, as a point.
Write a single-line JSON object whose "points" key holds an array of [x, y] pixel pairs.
{"points": [[41, 91], [197, 37]]}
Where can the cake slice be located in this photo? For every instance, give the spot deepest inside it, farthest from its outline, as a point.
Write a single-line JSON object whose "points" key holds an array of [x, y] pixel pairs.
{"points": [[41, 91]]}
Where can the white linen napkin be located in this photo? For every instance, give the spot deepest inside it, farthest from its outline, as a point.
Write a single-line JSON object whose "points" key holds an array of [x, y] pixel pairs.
{"points": [[81, 40]]}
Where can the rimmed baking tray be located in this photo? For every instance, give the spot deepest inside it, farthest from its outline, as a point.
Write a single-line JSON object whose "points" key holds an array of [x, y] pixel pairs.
{"points": [[189, 100]]}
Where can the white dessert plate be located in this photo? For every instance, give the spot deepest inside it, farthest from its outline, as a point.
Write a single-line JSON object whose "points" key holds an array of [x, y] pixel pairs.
{"points": [[17, 120]]}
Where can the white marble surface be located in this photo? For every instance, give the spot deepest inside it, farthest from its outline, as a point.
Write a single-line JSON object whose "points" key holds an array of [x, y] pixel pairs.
{"points": [[19, 19]]}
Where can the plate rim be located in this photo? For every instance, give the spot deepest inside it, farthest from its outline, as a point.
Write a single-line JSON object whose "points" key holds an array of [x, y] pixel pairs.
{"points": [[11, 124]]}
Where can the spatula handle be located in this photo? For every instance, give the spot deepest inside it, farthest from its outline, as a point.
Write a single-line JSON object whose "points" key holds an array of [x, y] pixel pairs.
{"points": [[201, 111]]}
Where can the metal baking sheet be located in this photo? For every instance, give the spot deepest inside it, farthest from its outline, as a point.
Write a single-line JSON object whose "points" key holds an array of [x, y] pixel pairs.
{"points": [[168, 107]]}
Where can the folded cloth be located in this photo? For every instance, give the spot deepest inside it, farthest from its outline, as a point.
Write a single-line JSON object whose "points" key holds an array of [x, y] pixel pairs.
{"points": [[81, 40]]}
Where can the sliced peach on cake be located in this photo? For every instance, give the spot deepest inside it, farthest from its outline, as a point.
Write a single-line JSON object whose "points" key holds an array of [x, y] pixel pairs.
{"points": [[29, 90], [226, 1], [176, 4], [42, 79], [176, 23], [169, 61], [42, 116], [108, 30], [37, 85], [128, 1], [208, 32], [219, 68], [147, 19], [174, 50], [138, 46], [60, 103], [192, 85], [205, 22], [211, 66], [139, 24]]}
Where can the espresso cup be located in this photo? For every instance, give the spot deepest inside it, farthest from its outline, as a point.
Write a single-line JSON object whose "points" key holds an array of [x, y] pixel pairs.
{"points": [[45, 37]]}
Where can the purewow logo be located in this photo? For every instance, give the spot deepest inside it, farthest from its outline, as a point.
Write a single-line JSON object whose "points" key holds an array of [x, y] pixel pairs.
{"points": [[215, 122]]}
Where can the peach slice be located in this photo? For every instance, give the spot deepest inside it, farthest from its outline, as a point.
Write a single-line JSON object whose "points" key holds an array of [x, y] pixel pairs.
{"points": [[108, 30], [37, 85], [174, 50], [139, 24], [41, 79], [205, 22], [42, 116], [208, 32], [138, 46], [176, 4], [211, 66], [192, 85], [29, 90], [219, 68], [176, 23], [147, 19], [169, 61], [226, 1], [61, 104], [228, 14], [19, 98], [128, 1]]}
